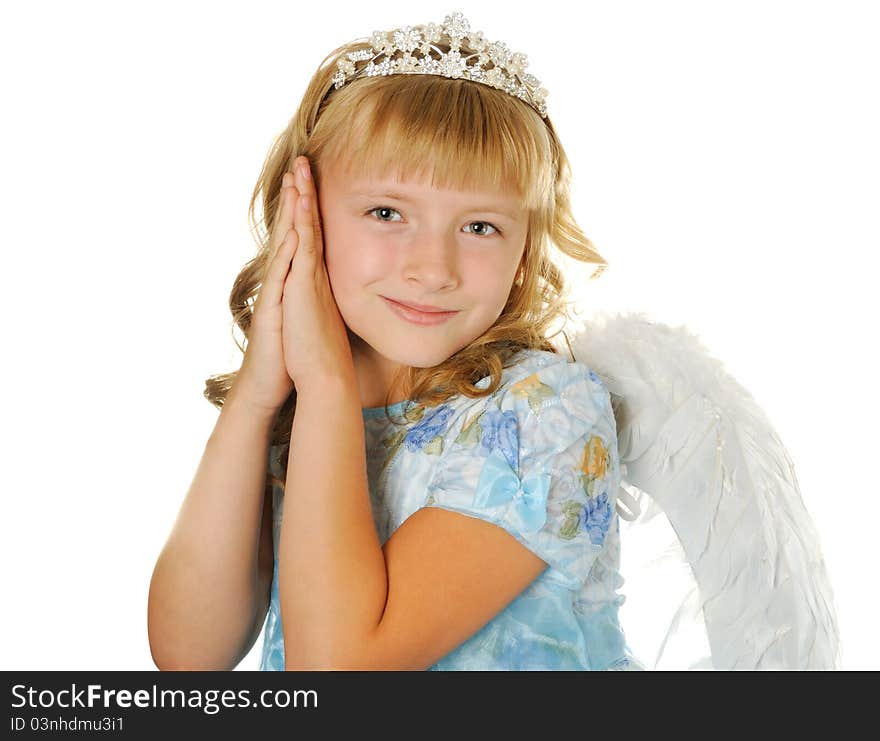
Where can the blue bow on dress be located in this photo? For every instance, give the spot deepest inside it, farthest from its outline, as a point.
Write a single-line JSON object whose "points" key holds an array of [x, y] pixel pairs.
{"points": [[499, 484]]}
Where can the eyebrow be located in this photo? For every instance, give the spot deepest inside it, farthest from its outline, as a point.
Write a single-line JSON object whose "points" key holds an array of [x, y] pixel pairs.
{"points": [[493, 208]]}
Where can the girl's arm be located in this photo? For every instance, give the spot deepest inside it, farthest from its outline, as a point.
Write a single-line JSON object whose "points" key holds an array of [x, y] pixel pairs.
{"points": [[331, 572], [210, 586], [346, 601]]}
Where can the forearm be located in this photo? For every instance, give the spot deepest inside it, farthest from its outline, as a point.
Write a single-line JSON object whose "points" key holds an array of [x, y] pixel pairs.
{"points": [[332, 577], [204, 590]]}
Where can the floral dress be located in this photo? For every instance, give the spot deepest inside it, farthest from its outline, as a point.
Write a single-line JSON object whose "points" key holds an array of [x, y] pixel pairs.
{"points": [[537, 458]]}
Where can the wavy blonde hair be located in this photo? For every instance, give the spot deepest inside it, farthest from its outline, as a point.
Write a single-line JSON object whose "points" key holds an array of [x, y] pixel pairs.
{"points": [[477, 136]]}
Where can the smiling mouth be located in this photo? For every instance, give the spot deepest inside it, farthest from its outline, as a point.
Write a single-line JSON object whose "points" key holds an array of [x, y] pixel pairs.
{"points": [[421, 307], [419, 317]]}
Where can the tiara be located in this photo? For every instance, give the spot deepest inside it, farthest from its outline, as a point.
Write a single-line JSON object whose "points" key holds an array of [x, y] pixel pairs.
{"points": [[506, 71]]}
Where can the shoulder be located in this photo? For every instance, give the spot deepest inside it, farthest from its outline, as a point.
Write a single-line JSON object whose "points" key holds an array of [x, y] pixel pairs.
{"points": [[543, 394], [545, 377]]}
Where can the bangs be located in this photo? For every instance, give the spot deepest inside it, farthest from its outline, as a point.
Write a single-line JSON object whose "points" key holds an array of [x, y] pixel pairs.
{"points": [[420, 127]]}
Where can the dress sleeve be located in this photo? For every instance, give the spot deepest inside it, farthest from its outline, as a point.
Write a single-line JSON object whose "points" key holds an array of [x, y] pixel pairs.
{"points": [[540, 460]]}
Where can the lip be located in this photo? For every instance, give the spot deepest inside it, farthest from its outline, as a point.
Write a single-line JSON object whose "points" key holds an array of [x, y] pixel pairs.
{"points": [[406, 311]]}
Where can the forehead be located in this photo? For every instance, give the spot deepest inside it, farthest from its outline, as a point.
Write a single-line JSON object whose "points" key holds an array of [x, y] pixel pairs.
{"points": [[420, 189]]}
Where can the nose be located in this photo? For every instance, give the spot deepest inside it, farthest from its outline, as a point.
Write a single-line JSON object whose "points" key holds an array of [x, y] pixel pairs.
{"points": [[431, 260]]}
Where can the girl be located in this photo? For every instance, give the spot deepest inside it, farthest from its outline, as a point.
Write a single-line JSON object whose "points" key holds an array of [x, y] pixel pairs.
{"points": [[405, 473]]}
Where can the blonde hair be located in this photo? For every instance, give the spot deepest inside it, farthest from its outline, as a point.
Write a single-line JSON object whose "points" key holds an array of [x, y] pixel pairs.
{"points": [[477, 136]]}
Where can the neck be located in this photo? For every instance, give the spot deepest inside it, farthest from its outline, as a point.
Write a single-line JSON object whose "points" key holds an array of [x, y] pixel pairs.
{"points": [[376, 375]]}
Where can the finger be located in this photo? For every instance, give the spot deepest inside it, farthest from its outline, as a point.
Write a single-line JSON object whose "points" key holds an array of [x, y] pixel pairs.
{"points": [[279, 257], [287, 197], [303, 223], [286, 202], [273, 287], [308, 225]]}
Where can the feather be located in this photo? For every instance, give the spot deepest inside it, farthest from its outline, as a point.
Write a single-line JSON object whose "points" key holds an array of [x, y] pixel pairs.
{"points": [[698, 454]]}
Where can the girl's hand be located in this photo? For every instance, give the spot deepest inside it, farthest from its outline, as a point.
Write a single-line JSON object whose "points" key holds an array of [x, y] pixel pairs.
{"points": [[263, 380], [314, 336]]}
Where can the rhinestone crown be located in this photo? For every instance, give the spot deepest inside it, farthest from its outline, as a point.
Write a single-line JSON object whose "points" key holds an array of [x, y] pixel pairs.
{"points": [[408, 51]]}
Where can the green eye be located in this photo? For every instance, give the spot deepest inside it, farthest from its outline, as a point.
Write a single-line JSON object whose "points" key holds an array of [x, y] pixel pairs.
{"points": [[382, 208], [486, 223]]}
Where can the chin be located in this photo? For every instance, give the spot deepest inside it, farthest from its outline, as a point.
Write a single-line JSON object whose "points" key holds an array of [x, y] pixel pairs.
{"points": [[413, 357]]}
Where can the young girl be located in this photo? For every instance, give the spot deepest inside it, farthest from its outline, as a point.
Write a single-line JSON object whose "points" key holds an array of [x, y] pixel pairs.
{"points": [[405, 473]]}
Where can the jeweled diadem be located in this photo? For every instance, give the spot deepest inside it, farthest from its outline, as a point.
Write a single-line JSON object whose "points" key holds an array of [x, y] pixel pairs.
{"points": [[412, 51]]}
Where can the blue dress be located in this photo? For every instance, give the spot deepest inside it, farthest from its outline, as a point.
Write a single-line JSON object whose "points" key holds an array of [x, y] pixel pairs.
{"points": [[537, 458]]}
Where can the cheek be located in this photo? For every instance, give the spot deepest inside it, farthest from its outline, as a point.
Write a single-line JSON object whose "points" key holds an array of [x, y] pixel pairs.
{"points": [[355, 257], [490, 279]]}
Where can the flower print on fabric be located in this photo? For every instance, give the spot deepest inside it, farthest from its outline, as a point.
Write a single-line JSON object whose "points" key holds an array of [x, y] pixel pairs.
{"points": [[392, 442], [499, 433], [594, 515], [533, 389], [489, 430], [471, 432], [594, 464], [428, 434]]}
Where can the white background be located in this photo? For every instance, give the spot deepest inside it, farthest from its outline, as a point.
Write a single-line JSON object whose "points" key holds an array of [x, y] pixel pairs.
{"points": [[725, 159]]}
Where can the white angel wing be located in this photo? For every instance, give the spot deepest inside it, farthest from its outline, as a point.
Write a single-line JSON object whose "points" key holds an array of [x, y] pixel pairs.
{"points": [[713, 499]]}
